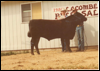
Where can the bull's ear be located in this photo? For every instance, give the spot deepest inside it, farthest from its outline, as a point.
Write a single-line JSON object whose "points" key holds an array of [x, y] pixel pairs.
{"points": [[86, 19]]}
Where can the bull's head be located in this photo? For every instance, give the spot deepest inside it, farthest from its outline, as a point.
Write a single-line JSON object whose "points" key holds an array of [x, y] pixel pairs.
{"points": [[77, 18], [79, 15]]}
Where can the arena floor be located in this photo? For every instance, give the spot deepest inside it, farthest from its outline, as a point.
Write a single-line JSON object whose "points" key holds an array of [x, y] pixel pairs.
{"points": [[52, 59]]}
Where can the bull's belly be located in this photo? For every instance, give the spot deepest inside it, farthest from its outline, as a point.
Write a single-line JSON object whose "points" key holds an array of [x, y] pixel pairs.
{"points": [[48, 38], [52, 36]]}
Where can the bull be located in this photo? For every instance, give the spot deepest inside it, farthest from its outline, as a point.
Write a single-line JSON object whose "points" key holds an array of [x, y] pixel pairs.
{"points": [[52, 29]]}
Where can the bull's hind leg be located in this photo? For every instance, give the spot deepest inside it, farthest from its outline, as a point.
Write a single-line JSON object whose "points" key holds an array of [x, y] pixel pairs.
{"points": [[32, 47], [36, 44]]}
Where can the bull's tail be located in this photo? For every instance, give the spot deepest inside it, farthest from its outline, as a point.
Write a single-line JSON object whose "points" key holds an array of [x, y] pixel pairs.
{"points": [[29, 34]]}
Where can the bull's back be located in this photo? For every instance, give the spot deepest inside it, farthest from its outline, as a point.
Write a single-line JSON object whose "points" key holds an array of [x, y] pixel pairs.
{"points": [[45, 25], [46, 28]]}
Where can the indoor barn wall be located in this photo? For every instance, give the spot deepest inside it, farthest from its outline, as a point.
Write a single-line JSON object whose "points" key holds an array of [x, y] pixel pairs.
{"points": [[14, 33]]}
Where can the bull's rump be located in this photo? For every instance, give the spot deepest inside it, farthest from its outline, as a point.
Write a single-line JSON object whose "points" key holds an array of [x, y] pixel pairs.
{"points": [[49, 29]]}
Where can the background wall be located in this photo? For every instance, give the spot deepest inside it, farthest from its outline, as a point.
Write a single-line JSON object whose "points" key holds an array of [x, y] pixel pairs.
{"points": [[14, 33]]}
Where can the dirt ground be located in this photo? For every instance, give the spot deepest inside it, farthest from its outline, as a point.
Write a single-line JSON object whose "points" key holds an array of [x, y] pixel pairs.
{"points": [[52, 59]]}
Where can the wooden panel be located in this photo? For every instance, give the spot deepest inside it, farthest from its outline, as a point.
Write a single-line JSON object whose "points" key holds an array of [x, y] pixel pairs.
{"points": [[6, 26], [45, 10], [58, 3], [22, 32], [96, 24], [27, 39], [14, 28], [18, 25], [63, 3], [3, 33], [88, 31], [36, 11], [10, 17], [92, 31]]}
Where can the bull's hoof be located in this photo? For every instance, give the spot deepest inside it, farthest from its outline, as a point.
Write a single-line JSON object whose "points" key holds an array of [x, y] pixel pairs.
{"points": [[39, 53], [62, 50], [70, 51], [65, 50], [32, 53]]}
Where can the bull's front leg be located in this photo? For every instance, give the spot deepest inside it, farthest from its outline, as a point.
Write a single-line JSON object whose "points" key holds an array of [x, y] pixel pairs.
{"points": [[68, 45], [36, 45], [32, 47]]}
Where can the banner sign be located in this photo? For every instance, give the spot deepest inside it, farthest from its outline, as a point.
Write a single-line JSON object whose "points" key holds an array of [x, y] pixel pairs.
{"points": [[87, 10]]}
